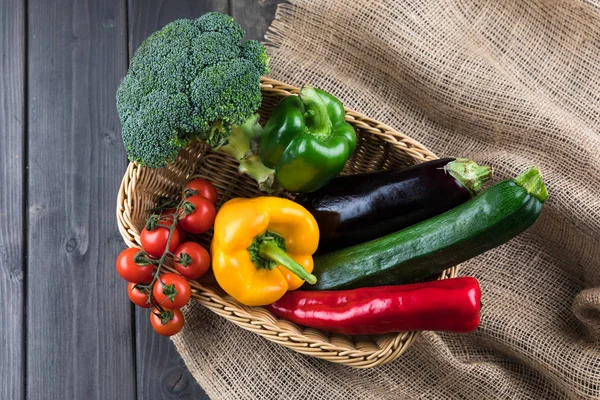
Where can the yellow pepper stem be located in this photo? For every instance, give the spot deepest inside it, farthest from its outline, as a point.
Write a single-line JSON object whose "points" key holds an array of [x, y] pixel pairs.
{"points": [[270, 251]]}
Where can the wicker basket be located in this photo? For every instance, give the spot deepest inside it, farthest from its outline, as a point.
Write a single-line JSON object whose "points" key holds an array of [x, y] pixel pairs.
{"points": [[379, 147]]}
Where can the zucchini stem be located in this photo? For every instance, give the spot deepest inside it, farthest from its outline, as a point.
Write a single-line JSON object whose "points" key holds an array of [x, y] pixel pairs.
{"points": [[531, 180]]}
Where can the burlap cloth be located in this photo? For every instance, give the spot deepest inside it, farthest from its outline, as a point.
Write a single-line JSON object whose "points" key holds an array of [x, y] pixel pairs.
{"points": [[509, 83]]}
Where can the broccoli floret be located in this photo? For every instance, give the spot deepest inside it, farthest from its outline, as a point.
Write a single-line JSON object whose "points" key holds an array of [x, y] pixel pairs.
{"points": [[191, 80], [234, 93], [161, 113]]}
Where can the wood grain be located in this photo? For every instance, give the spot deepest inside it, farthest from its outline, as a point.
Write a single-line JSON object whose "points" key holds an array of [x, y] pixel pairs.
{"points": [[254, 16], [161, 373], [147, 16], [79, 337], [12, 114]]}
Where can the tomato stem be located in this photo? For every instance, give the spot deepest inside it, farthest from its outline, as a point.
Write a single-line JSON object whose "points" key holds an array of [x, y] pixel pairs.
{"points": [[189, 193], [184, 259], [166, 253], [141, 259]]}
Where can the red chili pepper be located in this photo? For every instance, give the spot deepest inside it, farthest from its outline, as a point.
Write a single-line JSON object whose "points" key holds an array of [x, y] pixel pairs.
{"points": [[448, 305]]}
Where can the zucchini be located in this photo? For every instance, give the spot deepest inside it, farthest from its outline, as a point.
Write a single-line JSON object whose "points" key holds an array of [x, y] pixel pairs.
{"points": [[494, 217]]}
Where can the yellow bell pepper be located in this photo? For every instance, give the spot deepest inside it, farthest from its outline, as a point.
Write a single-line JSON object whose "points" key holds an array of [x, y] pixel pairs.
{"points": [[263, 247]]}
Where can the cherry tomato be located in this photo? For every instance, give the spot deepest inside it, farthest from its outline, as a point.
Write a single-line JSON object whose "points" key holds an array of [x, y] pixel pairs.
{"points": [[167, 219], [155, 242], [202, 218], [137, 297], [129, 270], [193, 260], [204, 189], [172, 291], [170, 327]]}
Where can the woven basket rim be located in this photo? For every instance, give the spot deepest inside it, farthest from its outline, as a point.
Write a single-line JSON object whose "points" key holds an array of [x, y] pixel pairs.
{"points": [[331, 347]]}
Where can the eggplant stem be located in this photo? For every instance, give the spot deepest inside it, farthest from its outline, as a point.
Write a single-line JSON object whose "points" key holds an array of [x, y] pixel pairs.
{"points": [[471, 175]]}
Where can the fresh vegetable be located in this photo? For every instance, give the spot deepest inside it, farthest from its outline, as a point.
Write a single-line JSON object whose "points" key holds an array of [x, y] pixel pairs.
{"points": [[154, 241], [160, 238], [137, 296], [172, 291], [204, 189], [262, 247], [133, 266], [307, 140], [166, 322], [192, 260], [198, 216], [194, 80], [447, 305], [490, 219], [353, 209]]}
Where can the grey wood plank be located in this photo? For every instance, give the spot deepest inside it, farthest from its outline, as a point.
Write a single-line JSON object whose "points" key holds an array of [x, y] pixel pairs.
{"points": [[254, 16], [161, 373], [12, 114], [147, 16], [79, 339]]}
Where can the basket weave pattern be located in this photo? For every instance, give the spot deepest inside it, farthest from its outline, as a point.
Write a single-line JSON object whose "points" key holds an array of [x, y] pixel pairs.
{"points": [[379, 147]]}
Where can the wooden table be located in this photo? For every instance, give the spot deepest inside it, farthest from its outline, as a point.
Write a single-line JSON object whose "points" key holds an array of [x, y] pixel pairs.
{"points": [[68, 329]]}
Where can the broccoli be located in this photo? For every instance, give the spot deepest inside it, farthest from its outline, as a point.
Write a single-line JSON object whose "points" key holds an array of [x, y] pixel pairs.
{"points": [[194, 80]]}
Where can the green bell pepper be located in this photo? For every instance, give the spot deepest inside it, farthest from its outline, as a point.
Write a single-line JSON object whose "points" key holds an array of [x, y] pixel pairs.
{"points": [[307, 140]]}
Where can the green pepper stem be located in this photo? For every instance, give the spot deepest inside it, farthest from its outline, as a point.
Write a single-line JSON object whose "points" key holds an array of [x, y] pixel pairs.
{"points": [[316, 115], [269, 250], [531, 180], [469, 174]]}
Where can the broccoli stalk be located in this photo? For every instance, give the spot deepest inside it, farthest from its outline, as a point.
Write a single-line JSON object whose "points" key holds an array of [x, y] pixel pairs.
{"points": [[195, 80], [242, 144]]}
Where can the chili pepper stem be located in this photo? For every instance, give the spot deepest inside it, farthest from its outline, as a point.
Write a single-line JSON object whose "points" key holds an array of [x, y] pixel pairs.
{"points": [[469, 174], [270, 251], [317, 119]]}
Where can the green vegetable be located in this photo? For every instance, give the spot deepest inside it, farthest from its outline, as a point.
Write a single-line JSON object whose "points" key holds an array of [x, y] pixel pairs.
{"points": [[194, 80], [307, 140], [427, 248]]}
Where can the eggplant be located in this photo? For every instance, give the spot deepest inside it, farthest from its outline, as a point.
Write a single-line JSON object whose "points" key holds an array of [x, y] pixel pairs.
{"points": [[354, 209]]}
